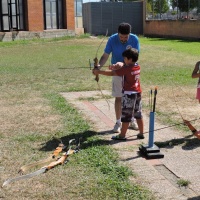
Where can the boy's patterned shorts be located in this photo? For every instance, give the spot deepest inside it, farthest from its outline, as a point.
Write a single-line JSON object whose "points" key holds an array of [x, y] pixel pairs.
{"points": [[131, 106]]}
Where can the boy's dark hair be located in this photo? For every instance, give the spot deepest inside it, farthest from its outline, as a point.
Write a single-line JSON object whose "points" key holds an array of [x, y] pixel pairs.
{"points": [[131, 53], [124, 28]]}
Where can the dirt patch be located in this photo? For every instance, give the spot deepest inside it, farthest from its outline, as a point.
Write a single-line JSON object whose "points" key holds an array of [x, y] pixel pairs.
{"points": [[29, 114]]}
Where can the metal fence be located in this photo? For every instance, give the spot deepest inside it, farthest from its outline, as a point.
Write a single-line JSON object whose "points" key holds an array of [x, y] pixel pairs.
{"points": [[176, 10], [100, 16]]}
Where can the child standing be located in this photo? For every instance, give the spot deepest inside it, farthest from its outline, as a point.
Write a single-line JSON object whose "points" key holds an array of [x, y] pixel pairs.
{"points": [[196, 74], [131, 91]]}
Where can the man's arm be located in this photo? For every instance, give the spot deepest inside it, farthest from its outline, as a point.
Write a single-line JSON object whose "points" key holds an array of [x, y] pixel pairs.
{"points": [[103, 59]]}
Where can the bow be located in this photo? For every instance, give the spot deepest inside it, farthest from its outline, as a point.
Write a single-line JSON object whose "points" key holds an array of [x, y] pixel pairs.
{"points": [[193, 130], [96, 64], [186, 122], [52, 164], [46, 161], [96, 61]]}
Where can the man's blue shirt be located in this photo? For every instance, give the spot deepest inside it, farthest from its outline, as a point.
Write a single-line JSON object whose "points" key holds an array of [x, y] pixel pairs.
{"points": [[116, 47]]}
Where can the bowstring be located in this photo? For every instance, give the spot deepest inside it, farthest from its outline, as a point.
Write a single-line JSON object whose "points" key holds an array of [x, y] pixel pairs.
{"points": [[176, 103], [187, 94], [96, 57], [103, 95]]}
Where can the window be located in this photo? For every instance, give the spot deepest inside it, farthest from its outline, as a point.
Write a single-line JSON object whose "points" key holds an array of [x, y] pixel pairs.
{"points": [[11, 15], [78, 8], [53, 14], [78, 13]]}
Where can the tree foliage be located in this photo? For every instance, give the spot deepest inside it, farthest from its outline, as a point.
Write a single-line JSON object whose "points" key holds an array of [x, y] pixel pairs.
{"points": [[161, 6], [185, 5], [157, 6]]}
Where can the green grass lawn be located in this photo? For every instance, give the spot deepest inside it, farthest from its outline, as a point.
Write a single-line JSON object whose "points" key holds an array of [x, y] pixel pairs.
{"points": [[32, 75]]}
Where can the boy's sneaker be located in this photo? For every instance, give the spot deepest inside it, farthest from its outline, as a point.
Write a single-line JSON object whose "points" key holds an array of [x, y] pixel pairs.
{"points": [[140, 136], [117, 128], [133, 126]]}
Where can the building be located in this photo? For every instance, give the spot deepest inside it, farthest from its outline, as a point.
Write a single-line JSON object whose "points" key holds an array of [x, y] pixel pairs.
{"points": [[39, 16]]}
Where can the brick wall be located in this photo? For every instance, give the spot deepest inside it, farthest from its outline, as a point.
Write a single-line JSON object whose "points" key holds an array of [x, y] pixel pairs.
{"points": [[70, 16], [188, 29], [185, 29], [35, 18]]}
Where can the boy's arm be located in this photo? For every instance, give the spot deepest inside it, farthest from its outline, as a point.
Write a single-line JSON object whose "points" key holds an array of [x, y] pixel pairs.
{"points": [[104, 72]]}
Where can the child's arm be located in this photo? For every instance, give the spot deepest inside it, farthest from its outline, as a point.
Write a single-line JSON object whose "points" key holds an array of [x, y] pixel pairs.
{"points": [[195, 73], [104, 72]]}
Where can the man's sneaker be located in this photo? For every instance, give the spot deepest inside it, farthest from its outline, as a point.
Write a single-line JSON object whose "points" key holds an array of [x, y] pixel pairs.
{"points": [[117, 128], [140, 136], [133, 126]]}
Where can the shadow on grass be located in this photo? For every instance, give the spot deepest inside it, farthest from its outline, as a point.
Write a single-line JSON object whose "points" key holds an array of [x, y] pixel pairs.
{"points": [[86, 141], [175, 39], [188, 143]]}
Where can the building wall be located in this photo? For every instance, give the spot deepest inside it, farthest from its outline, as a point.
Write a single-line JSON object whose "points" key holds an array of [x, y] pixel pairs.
{"points": [[34, 20], [70, 16], [186, 29], [35, 17]]}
